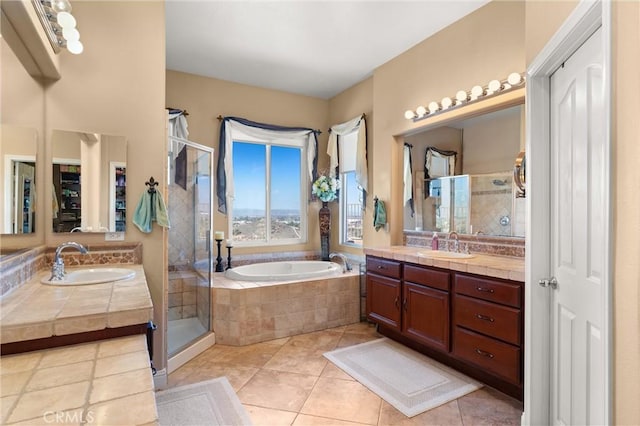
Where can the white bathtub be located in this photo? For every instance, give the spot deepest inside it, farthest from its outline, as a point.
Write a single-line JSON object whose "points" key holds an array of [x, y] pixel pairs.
{"points": [[284, 271]]}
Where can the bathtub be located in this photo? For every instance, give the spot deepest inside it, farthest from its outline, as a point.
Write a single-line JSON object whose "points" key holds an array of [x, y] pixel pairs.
{"points": [[284, 270]]}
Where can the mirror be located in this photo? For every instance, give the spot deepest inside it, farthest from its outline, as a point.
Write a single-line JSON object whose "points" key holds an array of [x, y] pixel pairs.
{"points": [[18, 171], [476, 194], [89, 182]]}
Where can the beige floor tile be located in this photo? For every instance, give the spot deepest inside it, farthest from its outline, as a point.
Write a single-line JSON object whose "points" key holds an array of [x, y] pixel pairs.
{"points": [[122, 345], [237, 375], [60, 375], [447, 414], [61, 398], [343, 400], [256, 355], [306, 420], [58, 418], [131, 410], [323, 340], [276, 389], [6, 402], [269, 417], [333, 372], [296, 359], [488, 406], [11, 384], [118, 385], [362, 328], [122, 363], [18, 363], [351, 339], [63, 356]]}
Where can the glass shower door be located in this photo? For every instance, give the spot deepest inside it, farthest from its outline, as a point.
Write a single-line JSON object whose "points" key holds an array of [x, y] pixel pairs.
{"points": [[190, 212]]}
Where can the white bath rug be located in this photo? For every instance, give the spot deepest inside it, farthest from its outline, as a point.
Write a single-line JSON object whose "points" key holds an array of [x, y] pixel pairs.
{"points": [[212, 402], [411, 382]]}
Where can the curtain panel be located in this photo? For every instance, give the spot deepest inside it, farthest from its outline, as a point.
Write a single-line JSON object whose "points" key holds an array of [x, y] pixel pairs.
{"points": [[233, 126], [357, 124]]}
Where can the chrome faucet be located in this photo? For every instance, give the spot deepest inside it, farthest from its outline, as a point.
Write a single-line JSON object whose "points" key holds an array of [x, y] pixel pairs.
{"points": [[57, 270], [456, 246], [346, 265]]}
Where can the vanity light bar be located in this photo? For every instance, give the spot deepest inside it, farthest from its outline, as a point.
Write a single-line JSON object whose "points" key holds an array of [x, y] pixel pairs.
{"points": [[59, 24], [493, 88]]}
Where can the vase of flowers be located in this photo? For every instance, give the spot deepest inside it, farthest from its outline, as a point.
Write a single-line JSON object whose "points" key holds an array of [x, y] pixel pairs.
{"points": [[326, 189]]}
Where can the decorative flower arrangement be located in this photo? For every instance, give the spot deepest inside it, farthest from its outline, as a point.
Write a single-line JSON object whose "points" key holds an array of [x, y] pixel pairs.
{"points": [[326, 188]]}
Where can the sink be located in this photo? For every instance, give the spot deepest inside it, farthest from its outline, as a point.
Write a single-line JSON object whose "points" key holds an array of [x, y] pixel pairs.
{"points": [[92, 276], [436, 254]]}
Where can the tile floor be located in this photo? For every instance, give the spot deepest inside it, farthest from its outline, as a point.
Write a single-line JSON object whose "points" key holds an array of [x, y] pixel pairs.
{"points": [[288, 382]]}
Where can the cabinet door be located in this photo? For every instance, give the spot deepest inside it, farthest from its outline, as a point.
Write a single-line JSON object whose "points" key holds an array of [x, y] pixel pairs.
{"points": [[383, 300], [426, 315]]}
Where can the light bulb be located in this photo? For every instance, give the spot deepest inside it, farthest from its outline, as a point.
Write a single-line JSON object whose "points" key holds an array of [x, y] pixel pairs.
{"points": [[66, 20], [461, 96], [409, 115], [75, 47], [421, 111], [446, 102], [61, 6], [70, 34], [494, 86], [476, 91], [433, 107], [514, 78]]}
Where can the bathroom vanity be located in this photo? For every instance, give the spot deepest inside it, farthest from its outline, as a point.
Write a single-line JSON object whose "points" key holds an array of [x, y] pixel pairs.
{"points": [[466, 313]]}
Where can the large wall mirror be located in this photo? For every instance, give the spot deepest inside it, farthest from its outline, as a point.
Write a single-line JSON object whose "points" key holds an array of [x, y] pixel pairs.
{"points": [[462, 176], [89, 182], [18, 151]]}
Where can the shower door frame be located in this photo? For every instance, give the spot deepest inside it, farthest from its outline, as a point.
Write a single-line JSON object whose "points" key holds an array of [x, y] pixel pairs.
{"points": [[205, 341]]}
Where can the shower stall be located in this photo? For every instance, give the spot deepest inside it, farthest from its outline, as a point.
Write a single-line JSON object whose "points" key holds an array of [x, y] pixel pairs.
{"points": [[190, 208]]}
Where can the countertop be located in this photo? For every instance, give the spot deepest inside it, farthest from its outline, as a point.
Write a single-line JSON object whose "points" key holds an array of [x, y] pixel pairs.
{"points": [[511, 268], [36, 310], [108, 382]]}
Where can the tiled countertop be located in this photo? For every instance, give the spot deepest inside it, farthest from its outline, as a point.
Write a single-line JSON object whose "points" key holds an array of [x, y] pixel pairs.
{"points": [[103, 383], [511, 268], [36, 310]]}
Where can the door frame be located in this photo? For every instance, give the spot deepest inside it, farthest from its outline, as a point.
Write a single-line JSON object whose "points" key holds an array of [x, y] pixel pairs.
{"points": [[583, 21]]}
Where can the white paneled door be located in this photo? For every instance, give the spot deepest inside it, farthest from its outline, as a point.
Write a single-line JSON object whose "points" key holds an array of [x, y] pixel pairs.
{"points": [[578, 231]]}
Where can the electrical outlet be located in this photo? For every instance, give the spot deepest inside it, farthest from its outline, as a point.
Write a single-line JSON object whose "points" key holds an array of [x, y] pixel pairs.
{"points": [[114, 236]]}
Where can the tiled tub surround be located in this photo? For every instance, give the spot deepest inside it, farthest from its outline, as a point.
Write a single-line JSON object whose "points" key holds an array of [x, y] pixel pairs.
{"points": [[20, 268], [106, 382], [35, 310], [247, 312], [510, 268], [484, 244]]}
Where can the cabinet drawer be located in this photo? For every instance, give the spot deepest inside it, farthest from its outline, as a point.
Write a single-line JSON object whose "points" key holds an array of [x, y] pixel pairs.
{"points": [[488, 289], [389, 268], [498, 321], [499, 358], [426, 276]]}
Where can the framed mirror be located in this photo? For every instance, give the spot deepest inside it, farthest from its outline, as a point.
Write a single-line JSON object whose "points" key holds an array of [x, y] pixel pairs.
{"points": [[476, 194], [18, 174], [89, 182]]}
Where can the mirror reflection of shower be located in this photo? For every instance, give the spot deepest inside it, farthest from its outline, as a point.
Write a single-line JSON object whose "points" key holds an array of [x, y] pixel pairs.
{"points": [[189, 246]]}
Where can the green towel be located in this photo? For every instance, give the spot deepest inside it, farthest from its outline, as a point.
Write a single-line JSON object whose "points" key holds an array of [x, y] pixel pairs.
{"points": [[150, 208], [379, 215]]}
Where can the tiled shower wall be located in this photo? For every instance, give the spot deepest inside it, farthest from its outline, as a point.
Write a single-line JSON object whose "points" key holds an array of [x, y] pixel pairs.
{"points": [[491, 202]]}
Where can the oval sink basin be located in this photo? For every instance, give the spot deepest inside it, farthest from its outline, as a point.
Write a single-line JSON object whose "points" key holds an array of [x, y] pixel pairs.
{"points": [[436, 254], [92, 276]]}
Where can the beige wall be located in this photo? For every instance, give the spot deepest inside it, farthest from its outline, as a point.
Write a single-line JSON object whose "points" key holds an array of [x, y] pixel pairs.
{"points": [[206, 98], [485, 45], [345, 106], [116, 87]]}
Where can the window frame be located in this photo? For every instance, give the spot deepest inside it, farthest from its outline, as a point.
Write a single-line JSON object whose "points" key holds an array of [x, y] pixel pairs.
{"points": [[304, 191], [342, 200]]}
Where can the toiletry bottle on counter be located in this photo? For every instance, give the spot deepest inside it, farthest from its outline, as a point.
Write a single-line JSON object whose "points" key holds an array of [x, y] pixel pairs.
{"points": [[434, 241]]}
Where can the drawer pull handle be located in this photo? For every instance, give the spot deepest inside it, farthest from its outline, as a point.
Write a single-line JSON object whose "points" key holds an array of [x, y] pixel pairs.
{"points": [[404, 304], [484, 318], [484, 353], [484, 290], [396, 302], [380, 267]]}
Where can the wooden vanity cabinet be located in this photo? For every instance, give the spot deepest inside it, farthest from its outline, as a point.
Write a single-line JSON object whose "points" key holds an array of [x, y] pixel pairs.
{"points": [[425, 306], [383, 292]]}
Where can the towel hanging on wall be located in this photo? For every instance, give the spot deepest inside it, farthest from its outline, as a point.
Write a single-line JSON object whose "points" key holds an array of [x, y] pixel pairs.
{"points": [[151, 208], [379, 214]]}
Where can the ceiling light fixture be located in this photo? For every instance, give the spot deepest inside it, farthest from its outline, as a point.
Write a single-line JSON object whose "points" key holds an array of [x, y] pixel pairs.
{"points": [[493, 88], [59, 24]]}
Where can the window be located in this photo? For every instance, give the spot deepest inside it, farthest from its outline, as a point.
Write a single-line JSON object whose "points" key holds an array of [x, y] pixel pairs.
{"points": [[270, 190], [351, 196]]}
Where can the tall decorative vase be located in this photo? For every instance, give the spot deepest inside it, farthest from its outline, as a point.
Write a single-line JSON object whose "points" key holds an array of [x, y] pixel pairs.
{"points": [[325, 229]]}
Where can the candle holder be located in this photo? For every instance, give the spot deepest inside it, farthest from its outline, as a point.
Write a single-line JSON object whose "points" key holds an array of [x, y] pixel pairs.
{"points": [[219, 267], [229, 257]]}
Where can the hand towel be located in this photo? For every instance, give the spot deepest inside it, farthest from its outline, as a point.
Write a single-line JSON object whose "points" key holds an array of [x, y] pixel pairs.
{"points": [[150, 208], [379, 215]]}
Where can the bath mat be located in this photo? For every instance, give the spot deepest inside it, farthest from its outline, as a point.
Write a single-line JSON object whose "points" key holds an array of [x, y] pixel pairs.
{"points": [[212, 402], [406, 379]]}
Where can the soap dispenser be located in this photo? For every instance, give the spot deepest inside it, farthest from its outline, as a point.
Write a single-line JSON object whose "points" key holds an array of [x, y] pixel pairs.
{"points": [[434, 241]]}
